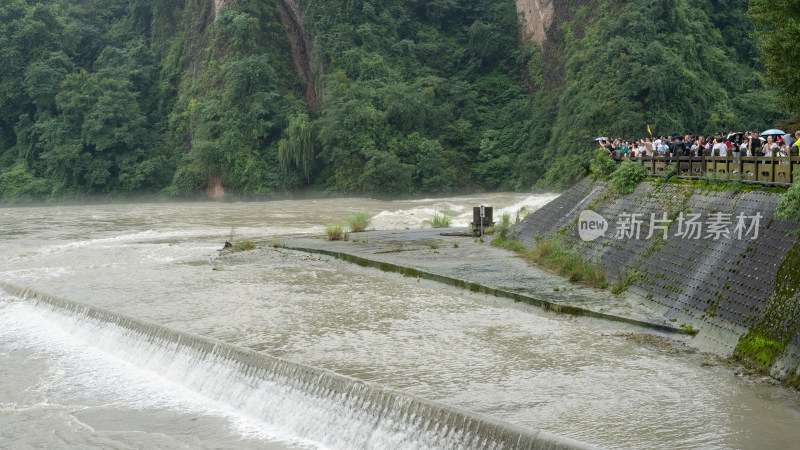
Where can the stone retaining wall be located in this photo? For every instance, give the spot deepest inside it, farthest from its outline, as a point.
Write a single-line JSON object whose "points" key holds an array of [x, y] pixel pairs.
{"points": [[724, 287]]}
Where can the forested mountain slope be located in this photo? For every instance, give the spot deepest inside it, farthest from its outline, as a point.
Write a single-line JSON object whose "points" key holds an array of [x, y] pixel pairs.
{"points": [[252, 98]]}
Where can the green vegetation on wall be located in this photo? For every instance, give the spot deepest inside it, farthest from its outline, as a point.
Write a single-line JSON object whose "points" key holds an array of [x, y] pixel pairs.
{"points": [[627, 176], [789, 207], [779, 322]]}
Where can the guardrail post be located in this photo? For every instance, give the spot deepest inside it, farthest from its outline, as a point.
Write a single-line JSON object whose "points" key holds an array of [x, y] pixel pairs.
{"points": [[741, 165], [728, 161], [772, 163]]}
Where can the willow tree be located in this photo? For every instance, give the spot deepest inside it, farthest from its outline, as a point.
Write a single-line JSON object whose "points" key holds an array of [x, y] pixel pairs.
{"points": [[298, 148]]}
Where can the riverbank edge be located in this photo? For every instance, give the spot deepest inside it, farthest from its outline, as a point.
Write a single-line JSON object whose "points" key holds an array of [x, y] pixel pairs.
{"points": [[525, 437], [485, 289]]}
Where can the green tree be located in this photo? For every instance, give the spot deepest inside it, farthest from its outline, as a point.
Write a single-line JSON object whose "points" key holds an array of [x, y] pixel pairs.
{"points": [[384, 173], [778, 25], [298, 148]]}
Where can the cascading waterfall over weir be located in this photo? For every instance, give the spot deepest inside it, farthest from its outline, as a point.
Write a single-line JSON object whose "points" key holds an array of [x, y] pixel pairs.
{"points": [[307, 402]]}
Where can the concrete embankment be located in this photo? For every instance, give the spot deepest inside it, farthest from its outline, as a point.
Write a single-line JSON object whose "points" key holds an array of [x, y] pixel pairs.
{"points": [[479, 267], [739, 289]]}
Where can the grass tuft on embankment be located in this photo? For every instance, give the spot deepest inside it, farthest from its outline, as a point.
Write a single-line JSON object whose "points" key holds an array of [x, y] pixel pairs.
{"points": [[758, 351], [335, 232], [442, 221], [553, 255], [359, 222], [245, 245]]}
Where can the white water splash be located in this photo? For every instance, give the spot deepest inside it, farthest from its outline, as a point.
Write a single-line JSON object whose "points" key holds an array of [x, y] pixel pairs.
{"points": [[461, 214], [260, 395]]}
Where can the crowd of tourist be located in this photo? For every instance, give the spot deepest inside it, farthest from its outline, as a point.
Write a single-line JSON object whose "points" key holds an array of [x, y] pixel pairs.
{"points": [[749, 143]]}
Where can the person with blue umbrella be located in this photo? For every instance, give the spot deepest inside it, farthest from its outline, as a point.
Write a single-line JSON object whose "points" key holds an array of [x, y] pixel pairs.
{"points": [[773, 132]]}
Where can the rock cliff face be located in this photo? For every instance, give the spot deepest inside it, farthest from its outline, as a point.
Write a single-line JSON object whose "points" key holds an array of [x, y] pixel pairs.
{"points": [[536, 17], [218, 4], [303, 54], [214, 188], [540, 21]]}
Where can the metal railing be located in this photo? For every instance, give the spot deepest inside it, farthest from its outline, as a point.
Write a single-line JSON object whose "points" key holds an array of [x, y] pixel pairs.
{"points": [[758, 169]]}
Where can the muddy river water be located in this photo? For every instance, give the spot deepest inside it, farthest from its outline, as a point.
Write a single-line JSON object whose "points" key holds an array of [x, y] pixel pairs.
{"points": [[66, 382]]}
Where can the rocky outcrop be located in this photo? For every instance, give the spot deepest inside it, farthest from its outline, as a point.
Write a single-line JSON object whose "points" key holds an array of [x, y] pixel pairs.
{"points": [[303, 55], [218, 4], [540, 21], [536, 17], [214, 188]]}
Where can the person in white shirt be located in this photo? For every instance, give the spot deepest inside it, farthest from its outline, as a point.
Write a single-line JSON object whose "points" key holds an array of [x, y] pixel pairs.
{"points": [[720, 148], [770, 146]]}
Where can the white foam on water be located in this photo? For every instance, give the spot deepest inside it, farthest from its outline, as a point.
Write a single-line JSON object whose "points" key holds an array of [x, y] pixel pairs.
{"points": [[526, 206], [151, 366], [103, 361], [36, 273], [458, 208], [443, 199], [141, 236], [167, 237], [401, 218]]}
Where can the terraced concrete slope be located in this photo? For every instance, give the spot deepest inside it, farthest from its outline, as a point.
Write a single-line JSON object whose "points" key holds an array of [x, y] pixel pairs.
{"points": [[739, 289]]}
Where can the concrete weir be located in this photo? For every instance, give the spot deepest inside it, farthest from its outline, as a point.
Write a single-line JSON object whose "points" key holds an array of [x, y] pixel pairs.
{"points": [[742, 293], [311, 403]]}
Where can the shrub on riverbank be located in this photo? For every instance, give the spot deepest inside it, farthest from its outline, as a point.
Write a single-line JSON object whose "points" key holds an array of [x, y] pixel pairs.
{"points": [[359, 221], [503, 228], [627, 176], [602, 165], [335, 232], [508, 244], [442, 221], [622, 284]]}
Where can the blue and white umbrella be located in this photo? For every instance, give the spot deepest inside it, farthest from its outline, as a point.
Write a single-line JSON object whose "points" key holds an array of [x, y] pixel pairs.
{"points": [[601, 139], [773, 132]]}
